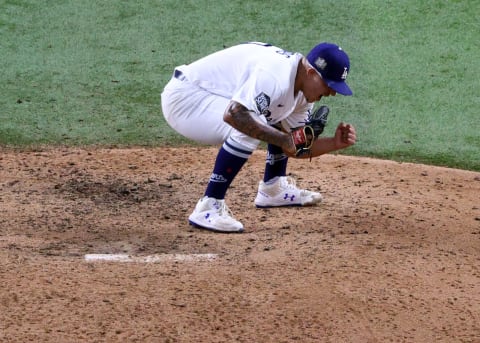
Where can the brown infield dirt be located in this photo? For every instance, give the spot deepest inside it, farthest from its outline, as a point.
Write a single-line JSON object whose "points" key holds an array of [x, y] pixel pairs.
{"points": [[391, 255]]}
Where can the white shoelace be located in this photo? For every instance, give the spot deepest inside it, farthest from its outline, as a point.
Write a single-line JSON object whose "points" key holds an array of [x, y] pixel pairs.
{"points": [[289, 182], [223, 210]]}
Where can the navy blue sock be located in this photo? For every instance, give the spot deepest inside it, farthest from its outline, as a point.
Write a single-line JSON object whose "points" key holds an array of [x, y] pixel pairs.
{"points": [[227, 166], [276, 164]]}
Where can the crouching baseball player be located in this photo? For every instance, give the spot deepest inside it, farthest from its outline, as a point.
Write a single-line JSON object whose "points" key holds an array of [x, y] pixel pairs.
{"points": [[254, 92]]}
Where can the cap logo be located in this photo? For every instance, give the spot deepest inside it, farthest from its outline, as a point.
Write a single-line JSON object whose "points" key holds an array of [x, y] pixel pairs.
{"points": [[321, 63], [345, 73]]}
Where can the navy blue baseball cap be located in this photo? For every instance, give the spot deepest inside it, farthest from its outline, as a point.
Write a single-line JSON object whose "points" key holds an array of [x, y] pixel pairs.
{"points": [[333, 64]]}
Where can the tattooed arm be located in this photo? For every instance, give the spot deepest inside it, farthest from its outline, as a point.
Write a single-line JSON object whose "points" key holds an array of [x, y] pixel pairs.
{"points": [[239, 117], [244, 121]]}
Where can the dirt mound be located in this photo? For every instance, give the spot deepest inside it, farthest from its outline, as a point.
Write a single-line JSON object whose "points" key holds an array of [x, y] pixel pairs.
{"points": [[392, 254]]}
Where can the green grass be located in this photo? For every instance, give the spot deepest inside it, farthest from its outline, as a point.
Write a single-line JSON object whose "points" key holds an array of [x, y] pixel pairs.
{"points": [[91, 72]]}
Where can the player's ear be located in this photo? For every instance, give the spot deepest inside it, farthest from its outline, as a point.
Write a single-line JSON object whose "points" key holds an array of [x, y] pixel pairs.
{"points": [[311, 71]]}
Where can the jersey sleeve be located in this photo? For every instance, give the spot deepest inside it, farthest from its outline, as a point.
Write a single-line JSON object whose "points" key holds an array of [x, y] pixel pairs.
{"points": [[257, 93], [299, 116]]}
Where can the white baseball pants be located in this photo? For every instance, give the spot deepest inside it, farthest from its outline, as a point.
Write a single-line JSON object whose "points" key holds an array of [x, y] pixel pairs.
{"points": [[198, 115]]}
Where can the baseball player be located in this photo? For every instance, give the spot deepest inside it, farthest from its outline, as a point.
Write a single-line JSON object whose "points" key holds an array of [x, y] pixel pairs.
{"points": [[254, 92]]}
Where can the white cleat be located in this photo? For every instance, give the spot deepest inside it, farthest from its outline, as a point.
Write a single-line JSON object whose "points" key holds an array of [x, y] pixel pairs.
{"points": [[284, 192], [213, 214]]}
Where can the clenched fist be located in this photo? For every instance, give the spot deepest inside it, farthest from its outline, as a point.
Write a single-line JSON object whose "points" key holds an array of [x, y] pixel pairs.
{"points": [[345, 136]]}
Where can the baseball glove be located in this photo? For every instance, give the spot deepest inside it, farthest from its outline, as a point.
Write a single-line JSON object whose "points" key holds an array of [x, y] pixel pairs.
{"points": [[304, 136]]}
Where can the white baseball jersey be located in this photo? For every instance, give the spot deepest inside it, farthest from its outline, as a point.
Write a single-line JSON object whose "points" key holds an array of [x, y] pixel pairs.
{"points": [[259, 76]]}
